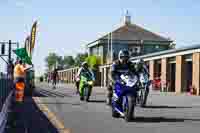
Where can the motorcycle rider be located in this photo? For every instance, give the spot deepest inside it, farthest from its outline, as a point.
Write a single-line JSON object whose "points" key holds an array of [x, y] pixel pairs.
{"points": [[141, 67], [119, 67], [83, 70]]}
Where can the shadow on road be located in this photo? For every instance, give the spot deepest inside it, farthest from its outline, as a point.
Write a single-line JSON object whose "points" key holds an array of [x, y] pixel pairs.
{"points": [[97, 101], [160, 119], [165, 107], [30, 119]]}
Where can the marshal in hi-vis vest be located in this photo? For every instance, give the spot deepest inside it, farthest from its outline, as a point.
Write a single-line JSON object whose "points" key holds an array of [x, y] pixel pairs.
{"points": [[19, 91]]}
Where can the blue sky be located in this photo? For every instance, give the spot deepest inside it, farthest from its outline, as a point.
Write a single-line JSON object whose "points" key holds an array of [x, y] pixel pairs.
{"points": [[65, 25]]}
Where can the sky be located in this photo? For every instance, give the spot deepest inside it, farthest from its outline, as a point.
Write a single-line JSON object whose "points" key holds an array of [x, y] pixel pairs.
{"points": [[65, 26]]}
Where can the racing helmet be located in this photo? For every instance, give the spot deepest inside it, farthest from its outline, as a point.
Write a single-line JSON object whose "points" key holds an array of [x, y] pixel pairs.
{"points": [[85, 64], [123, 55]]}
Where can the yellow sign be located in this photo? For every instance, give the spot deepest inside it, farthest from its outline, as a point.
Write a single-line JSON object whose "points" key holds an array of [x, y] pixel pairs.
{"points": [[33, 36]]}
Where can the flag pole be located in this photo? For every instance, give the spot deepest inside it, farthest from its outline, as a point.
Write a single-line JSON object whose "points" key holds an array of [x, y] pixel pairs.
{"points": [[111, 47], [108, 48]]}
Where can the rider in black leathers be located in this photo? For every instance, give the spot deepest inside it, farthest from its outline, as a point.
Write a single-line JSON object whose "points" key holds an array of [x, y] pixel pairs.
{"points": [[122, 65], [119, 67], [141, 67]]}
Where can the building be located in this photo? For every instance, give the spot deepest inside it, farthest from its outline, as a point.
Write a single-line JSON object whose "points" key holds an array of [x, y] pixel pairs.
{"points": [[179, 68], [128, 36]]}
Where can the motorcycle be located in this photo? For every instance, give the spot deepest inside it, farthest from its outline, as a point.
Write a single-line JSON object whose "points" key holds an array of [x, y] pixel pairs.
{"points": [[87, 82], [143, 91], [126, 91]]}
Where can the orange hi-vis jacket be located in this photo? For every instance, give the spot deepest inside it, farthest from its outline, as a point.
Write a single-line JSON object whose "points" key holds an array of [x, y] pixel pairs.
{"points": [[19, 86], [19, 71], [19, 91]]}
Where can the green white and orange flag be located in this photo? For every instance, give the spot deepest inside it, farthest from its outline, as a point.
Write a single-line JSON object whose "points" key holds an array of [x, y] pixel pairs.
{"points": [[23, 55]]}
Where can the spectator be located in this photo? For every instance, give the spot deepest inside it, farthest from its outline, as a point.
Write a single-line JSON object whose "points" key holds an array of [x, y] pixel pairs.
{"points": [[10, 69], [54, 77]]}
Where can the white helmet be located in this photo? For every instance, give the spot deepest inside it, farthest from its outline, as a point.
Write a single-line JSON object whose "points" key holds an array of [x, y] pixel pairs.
{"points": [[123, 53]]}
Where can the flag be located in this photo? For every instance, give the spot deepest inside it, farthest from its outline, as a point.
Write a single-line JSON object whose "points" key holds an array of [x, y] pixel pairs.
{"points": [[33, 36], [27, 46], [23, 55]]}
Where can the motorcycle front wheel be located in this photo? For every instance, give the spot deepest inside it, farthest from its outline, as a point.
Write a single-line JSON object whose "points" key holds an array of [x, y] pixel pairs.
{"points": [[146, 93], [129, 109], [87, 91], [141, 97]]}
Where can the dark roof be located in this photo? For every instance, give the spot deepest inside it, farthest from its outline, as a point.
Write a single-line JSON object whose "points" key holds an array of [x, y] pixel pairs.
{"points": [[134, 32], [197, 46]]}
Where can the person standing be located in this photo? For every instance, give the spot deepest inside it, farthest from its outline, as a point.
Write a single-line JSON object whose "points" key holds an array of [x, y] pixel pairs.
{"points": [[54, 77], [19, 85]]}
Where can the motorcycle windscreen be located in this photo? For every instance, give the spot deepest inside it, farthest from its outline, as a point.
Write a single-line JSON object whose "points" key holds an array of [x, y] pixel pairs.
{"points": [[131, 82]]}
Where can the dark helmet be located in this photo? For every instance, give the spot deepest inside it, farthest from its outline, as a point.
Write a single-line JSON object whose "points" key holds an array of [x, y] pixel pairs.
{"points": [[122, 54], [84, 64]]}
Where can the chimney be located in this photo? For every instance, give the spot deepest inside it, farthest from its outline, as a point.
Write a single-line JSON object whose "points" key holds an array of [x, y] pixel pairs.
{"points": [[127, 18]]}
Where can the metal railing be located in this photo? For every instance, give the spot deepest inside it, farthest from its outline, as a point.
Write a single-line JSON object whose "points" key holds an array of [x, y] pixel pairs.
{"points": [[6, 92], [5, 89]]}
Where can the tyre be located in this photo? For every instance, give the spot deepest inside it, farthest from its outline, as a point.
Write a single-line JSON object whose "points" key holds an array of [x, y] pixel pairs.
{"points": [[115, 114], [88, 92], [85, 93], [142, 98], [130, 108], [145, 98]]}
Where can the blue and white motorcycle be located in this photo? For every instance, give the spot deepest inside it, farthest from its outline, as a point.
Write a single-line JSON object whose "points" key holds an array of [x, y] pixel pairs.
{"points": [[124, 96], [143, 91]]}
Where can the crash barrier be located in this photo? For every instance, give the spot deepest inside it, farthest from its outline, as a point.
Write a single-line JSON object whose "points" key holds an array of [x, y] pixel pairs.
{"points": [[6, 93]]}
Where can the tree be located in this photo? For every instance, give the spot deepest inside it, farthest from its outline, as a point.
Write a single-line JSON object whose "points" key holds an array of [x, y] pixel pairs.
{"points": [[80, 57], [51, 60], [68, 61], [60, 64], [54, 60], [93, 61]]}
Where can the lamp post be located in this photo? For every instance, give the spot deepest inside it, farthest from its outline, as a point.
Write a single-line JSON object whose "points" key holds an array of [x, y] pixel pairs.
{"points": [[9, 54]]}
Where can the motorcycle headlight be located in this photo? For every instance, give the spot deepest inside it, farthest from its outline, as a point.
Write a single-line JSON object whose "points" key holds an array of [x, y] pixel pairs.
{"points": [[90, 82]]}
